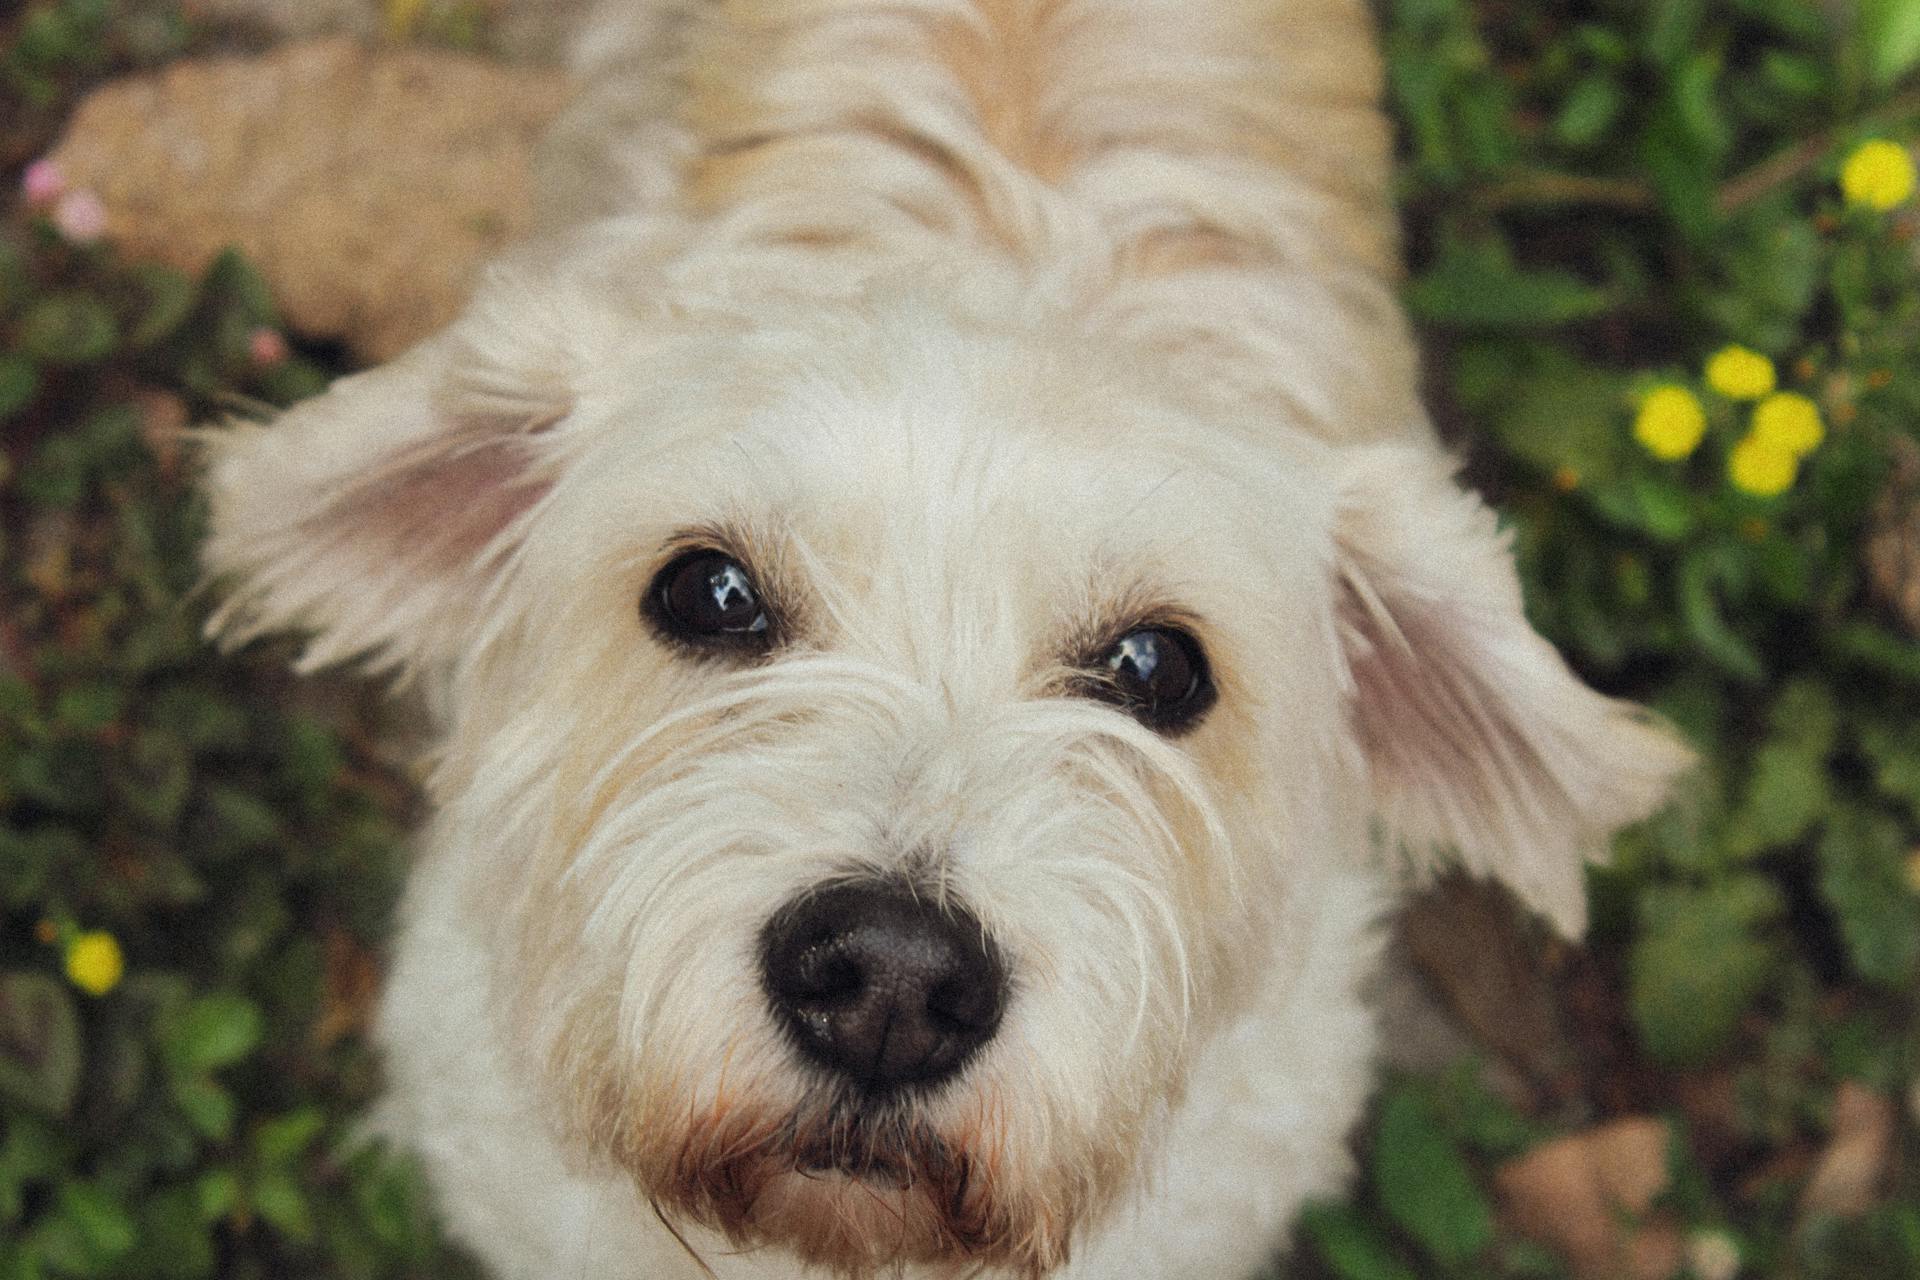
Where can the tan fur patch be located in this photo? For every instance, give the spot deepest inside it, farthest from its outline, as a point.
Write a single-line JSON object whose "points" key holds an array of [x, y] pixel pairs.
{"points": [[1000, 60]]}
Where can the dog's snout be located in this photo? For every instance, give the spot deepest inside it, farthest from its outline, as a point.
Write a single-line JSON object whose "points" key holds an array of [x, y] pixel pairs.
{"points": [[886, 988]]}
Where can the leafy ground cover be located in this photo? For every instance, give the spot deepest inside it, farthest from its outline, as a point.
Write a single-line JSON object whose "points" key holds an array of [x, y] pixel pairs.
{"points": [[1669, 289], [1663, 255], [197, 858]]}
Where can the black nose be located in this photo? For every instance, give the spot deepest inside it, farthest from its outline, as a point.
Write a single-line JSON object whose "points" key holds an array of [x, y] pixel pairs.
{"points": [[884, 987]]}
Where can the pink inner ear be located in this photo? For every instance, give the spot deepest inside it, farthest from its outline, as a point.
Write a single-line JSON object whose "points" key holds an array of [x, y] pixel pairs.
{"points": [[1476, 736], [1428, 721], [437, 505]]}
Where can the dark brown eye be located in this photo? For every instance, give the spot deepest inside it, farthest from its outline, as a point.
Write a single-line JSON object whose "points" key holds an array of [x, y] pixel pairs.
{"points": [[707, 598], [1160, 675]]}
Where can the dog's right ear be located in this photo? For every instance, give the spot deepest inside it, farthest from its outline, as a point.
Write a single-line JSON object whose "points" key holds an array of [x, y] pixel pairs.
{"points": [[1478, 739], [374, 518]]}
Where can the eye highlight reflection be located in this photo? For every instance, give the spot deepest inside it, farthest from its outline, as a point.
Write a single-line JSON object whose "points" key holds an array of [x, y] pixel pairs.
{"points": [[708, 599], [1159, 674]]}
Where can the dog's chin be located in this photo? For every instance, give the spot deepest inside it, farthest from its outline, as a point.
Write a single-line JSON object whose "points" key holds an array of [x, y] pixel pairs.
{"points": [[861, 1222], [856, 1200]]}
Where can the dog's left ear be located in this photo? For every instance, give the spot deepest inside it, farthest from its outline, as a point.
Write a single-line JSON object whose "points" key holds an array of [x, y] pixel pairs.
{"points": [[374, 518], [1476, 735]]}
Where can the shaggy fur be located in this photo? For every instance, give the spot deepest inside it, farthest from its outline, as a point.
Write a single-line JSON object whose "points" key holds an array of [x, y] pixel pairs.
{"points": [[982, 330]]}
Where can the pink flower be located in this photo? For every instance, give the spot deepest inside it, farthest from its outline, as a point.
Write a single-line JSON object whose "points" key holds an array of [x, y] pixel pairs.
{"points": [[42, 183], [80, 217], [268, 347]]}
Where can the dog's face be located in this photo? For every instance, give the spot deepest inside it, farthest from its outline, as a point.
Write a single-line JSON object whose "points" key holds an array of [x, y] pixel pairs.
{"points": [[882, 739]]}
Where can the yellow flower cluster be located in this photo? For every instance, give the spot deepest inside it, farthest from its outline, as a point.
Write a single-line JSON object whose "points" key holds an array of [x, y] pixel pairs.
{"points": [[1785, 426], [94, 962], [1878, 174]]}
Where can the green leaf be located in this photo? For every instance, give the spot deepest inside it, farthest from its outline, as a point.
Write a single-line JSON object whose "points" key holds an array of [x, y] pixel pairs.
{"points": [[1475, 284], [312, 759], [1424, 1182], [1789, 788], [242, 820], [1793, 75], [1671, 28], [212, 1032], [207, 1107], [1589, 110], [1786, 795], [68, 329], [1655, 504], [279, 1140], [88, 708], [39, 1043], [1702, 956], [1863, 879], [103, 1225], [1894, 750], [389, 1196], [216, 1194], [1805, 717], [1351, 1245], [1681, 172], [280, 1202], [1566, 415], [1875, 649], [240, 292], [1889, 34], [1704, 573], [168, 300], [174, 1241]]}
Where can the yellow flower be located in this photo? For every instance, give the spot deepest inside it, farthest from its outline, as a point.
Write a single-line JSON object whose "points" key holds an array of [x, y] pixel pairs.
{"points": [[1879, 175], [1761, 468], [1670, 423], [1739, 373], [94, 963], [1788, 420]]}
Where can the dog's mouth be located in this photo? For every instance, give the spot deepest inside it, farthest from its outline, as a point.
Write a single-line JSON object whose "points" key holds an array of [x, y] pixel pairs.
{"points": [[883, 1156], [859, 1192]]}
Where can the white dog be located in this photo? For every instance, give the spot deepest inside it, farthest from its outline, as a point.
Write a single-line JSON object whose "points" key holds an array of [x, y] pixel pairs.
{"points": [[948, 624]]}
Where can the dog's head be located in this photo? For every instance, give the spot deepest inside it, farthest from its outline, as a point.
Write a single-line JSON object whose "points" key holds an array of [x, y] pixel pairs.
{"points": [[884, 732]]}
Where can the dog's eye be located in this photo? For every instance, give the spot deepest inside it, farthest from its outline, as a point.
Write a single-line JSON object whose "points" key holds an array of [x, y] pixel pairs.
{"points": [[1160, 675], [708, 598]]}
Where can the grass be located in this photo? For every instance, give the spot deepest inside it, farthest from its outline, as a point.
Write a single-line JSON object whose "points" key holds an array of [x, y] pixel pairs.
{"points": [[1599, 197]]}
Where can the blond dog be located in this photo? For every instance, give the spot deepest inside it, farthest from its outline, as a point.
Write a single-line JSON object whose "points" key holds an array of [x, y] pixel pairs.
{"points": [[947, 626]]}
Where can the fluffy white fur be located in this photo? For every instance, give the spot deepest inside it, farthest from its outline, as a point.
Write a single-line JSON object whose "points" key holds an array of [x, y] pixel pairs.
{"points": [[979, 329]]}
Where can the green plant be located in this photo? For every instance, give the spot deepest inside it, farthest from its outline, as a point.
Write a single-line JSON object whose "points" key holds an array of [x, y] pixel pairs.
{"points": [[1600, 198], [193, 867]]}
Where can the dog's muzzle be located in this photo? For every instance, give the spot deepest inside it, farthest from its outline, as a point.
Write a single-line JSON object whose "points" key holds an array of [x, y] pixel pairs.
{"points": [[884, 988]]}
